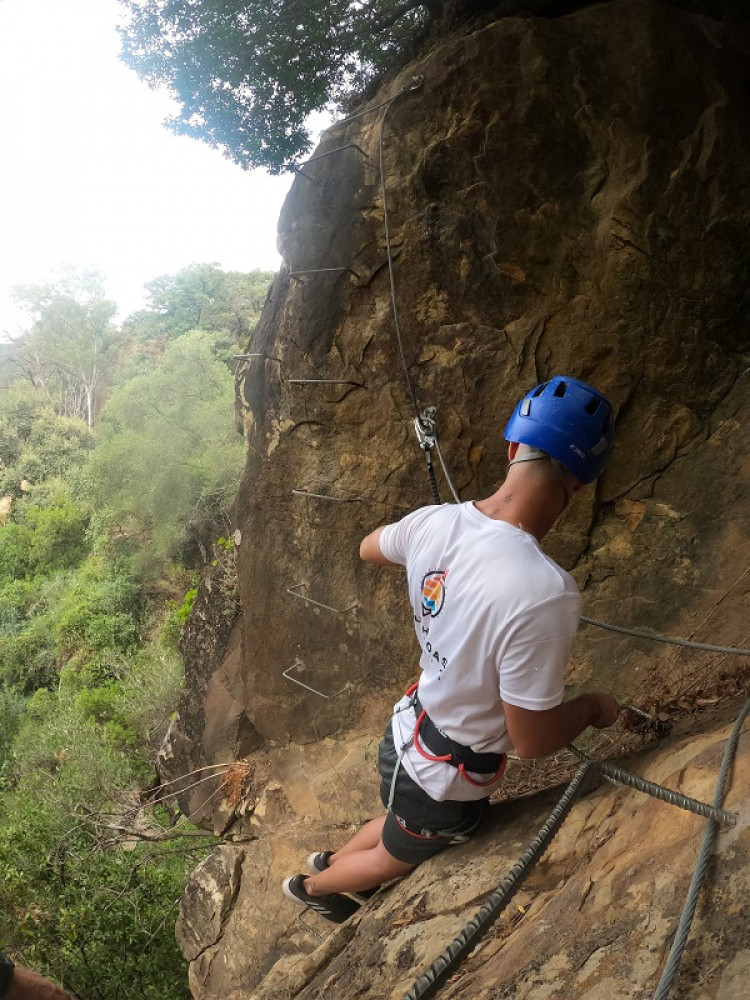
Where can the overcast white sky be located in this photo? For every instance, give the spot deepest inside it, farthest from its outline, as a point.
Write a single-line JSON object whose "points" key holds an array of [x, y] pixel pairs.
{"points": [[89, 175]]}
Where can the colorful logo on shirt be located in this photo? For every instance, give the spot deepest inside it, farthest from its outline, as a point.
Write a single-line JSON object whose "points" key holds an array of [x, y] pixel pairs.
{"points": [[433, 592]]}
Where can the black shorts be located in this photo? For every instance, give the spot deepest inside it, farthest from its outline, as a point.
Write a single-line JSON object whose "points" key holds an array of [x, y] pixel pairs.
{"points": [[418, 826]]}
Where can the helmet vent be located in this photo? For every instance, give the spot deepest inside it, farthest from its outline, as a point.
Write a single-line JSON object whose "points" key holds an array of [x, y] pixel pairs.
{"points": [[560, 389], [540, 389], [592, 406]]}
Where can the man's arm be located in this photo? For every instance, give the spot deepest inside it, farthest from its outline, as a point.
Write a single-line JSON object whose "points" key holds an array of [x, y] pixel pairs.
{"points": [[537, 734], [369, 549]]}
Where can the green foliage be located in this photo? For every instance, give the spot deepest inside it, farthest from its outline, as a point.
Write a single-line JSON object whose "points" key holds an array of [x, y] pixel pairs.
{"points": [[87, 684], [69, 899], [168, 456], [248, 74], [187, 605], [35, 442], [15, 548], [46, 539], [202, 297], [57, 535], [11, 711], [65, 351], [103, 705], [149, 693], [85, 619]]}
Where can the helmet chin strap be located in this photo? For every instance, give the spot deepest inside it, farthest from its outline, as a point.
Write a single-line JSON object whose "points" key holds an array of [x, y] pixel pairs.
{"points": [[535, 455], [532, 455]]}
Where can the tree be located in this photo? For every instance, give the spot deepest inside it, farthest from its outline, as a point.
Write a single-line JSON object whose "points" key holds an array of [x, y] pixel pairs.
{"points": [[67, 342], [202, 297], [36, 444], [248, 73], [168, 459]]}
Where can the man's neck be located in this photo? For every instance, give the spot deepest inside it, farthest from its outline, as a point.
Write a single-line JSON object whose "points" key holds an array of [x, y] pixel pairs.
{"points": [[524, 506]]}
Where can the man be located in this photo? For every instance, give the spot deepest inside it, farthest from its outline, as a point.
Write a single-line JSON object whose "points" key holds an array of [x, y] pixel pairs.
{"points": [[495, 618], [17, 983]]}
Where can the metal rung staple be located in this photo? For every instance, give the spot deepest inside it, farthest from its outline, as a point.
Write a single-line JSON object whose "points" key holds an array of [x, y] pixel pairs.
{"points": [[268, 357], [339, 611], [338, 149], [308, 927], [325, 381], [298, 663], [416, 83], [324, 496], [323, 270]]}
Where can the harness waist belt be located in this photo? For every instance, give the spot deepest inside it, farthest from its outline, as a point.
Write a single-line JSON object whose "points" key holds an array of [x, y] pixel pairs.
{"points": [[440, 744]]}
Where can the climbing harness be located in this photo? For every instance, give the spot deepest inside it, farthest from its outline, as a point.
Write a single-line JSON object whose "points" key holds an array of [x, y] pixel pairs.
{"points": [[499, 898], [446, 750]]}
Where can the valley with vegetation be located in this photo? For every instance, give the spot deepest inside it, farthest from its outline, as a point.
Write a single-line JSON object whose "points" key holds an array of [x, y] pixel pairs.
{"points": [[119, 460]]}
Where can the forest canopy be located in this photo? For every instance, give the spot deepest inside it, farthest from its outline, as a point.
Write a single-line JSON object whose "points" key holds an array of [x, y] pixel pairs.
{"points": [[119, 460], [248, 74]]}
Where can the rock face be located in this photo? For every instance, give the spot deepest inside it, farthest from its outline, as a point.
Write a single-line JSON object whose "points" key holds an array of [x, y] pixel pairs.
{"points": [[566, 194], [594, 919], [551, 209]]}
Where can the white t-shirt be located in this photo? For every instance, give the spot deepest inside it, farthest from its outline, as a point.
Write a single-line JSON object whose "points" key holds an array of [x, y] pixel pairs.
{"points": [[495, 618]]}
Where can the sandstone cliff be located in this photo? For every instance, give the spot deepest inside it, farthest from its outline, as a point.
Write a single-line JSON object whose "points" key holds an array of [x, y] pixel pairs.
{"points": [[563, 194]]}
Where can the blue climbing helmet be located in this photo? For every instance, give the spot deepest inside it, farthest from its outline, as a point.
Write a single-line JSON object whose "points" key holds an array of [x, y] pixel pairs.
{"points": [[569, 420]]}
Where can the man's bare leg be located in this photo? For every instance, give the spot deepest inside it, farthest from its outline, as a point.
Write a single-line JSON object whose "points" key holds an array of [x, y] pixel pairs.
{"points": [[356, 870], [365, 839]]}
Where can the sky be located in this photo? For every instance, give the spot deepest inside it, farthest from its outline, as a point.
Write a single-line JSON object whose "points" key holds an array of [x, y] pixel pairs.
{"points": [[90, 176]]}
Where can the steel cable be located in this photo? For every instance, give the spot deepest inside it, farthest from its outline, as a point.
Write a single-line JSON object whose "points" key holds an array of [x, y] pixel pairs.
{"points": [[389, 251], [616, 774], [502, 895], [656, 637], [691, 901]]}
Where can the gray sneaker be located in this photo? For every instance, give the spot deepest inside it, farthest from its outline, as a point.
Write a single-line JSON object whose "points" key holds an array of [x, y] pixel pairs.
{"points": [[318, 861], [335, 907]]}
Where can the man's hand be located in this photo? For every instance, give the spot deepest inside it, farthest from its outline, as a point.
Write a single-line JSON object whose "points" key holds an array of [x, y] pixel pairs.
{"points": [[608, 710], [538, 734]]}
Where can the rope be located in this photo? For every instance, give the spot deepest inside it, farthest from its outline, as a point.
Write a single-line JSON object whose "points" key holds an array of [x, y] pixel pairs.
{"points": [[502, 895], [417, 82], [655, 637], [389, 252], [691, 901], [445, 473]]}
